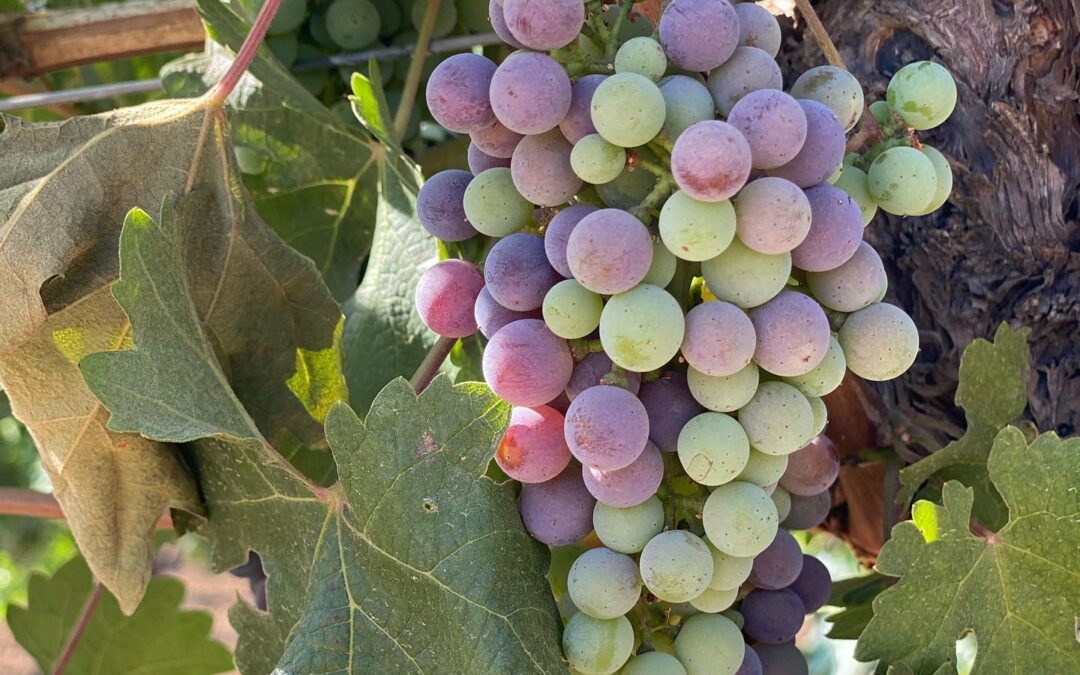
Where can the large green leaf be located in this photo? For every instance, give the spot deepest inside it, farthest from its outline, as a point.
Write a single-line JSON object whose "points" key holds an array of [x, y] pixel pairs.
{"points": [[158, 639], [1015, 589], [992, 393]]}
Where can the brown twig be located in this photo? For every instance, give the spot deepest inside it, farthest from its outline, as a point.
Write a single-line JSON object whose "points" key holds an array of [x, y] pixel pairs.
{"points": [[221, 91], [429, 367], [21, 502], [820, 34], [77, 632]]}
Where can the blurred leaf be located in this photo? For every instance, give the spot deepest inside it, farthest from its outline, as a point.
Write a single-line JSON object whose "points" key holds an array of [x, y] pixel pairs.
{"points": [[854, 597]]}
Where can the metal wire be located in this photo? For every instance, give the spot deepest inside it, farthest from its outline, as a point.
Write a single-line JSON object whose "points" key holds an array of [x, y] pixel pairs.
{"points": [[103, 91]]}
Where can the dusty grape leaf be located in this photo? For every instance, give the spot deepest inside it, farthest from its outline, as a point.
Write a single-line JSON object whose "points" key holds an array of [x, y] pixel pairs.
{"points": [[1016, 590], [992, 393], [158, 638]]}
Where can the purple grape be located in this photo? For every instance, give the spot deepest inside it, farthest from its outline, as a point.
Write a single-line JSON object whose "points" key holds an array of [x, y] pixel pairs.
{"points": [[823, 150], [749, 69], [491, 316], [541, 169], [772, 215], [853, 285], [670, 405], [498, 24], [758, 28], [772, 617], [814, 584], [557, 512], [589, 371], [544, 26], [609, 251], [699, 35], [457, 93], [711, 161], [530, 93], [496, 140], [836, 228], [445, 296], [784, 659], [808, 512], [774, 125], [533, 449], [779, 564], [606, 428], [811, 469], [557, 235], [578, 122], [526, 364], [751, 664], [439, 205], [719, 339], [792, 334], [517, 272], [630, 485], [481, 161]]}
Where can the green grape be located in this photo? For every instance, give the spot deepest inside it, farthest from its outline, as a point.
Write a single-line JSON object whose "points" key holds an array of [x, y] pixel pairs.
{"points": [[628, 109], [713, 448], [251, 161], [566, 607], [880, 342], [709, 644], [943, 174], [445, 19], [641, 329], [740, 519], [630, 187], [724, 393], [881, 111], [604, 584], [778, 420], [662, 269], [290, 14], [676, 566], [821, 413], [782, 501], [628, 530], [317, 28], [695, 230], [597, 646], [734, 616], [493, 205], [831, 180], [763, 470], [826, 376], [729, 571], [834, 88], [596, 161], [352, 24], [653, 663], [923, 93], [744, 277], [284, 47], [643, 56], [572, 311], [473, 15], [902, 181], [715, 600], [390, 17], [852, 180]]}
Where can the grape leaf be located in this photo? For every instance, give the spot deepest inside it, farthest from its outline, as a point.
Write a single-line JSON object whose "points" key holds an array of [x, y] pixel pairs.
{"points": [[1015, 589], [855, 598], [158, 638], [992, 393]]}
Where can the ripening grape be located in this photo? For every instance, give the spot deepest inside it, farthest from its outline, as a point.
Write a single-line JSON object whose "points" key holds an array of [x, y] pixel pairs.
{"points": [[445, 296], [491, 316], [609, 252], [643, 56], [720, 339], [853, 181], [594, 160], [782, 500], [653, 663], [604, 584], [853, 285], [630, 485], [762, 469], [496, 140], [352, 24], [774, 125], [713, 448], [826, 376], [541, 169], [836, 228], [807, 512], [687, 102], [597, 646], [558, 232], [481, 161], [784, 659], [709, 644], [670, 406], [772, 215], [627, 530], [289, 17], [778, 420], [836, 88], [723, 393], [880, 342], [498, 24], [792, 334], [445, 17], [589, 372], [711, 161], [517, 272], [943, 173], [813, 585], [699, 35], [749, 69], [628, 109], [696, 230], [779, 564], [821, 153], [676, 566], [715, 600], [739, 519], [530, 93], [758, 28], [526, 364], [439, 205], [923, 93], [606, 427], [642, 329], [493, 205], [578, 121], [751, 664], [557, 512], [533, 449], [663, 266], [744, 277], [457, 92], [544, 26], [772, 617], [572, 311], [821, 413], [729, 571], [902, 180]]}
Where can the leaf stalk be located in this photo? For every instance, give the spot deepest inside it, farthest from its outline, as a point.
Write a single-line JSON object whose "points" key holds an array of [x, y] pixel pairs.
{"points": [[416, 70], [216, 97]]}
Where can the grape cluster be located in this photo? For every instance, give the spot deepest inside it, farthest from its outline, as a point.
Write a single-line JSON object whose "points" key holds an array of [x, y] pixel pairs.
{"points": [[677, 276]]}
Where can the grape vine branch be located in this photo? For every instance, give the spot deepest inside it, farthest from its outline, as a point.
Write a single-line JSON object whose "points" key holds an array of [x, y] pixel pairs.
{"points": [[416, 69]]}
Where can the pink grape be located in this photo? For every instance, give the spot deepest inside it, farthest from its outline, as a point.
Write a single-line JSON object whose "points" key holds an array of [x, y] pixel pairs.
{"points": [[719, 338], [526, 364], [491, 316], [557, 235], [670, 405], [823, 150], [711, 161], [814, 584], [808, 512], [530, 93], [774, 125], [541, 169], [772, 215], [609, 251], [758, 28], [496, 140], [557, 512], [853, 285], [481, 161], [533, 449], [772, 617], [779, 565], [630, 485], [811, 469], [606, 427], [699, 35], [589, 371], [439, 205], [498, 24], [445, 296], [457, 93], [749, 69], [517, 272], [544, 26], [792, 334], [578, 121], [836, 228]]}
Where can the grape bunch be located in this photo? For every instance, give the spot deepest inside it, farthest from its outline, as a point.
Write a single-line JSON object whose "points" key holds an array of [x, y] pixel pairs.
{"points": [[675, 275]]}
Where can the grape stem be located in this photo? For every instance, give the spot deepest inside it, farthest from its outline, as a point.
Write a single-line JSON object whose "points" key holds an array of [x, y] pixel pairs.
{"points": [[34, 504], [77, 632], [416, 70], [665, 185], [612, 43], [216, 97], [821, 36], [429, 367]]}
